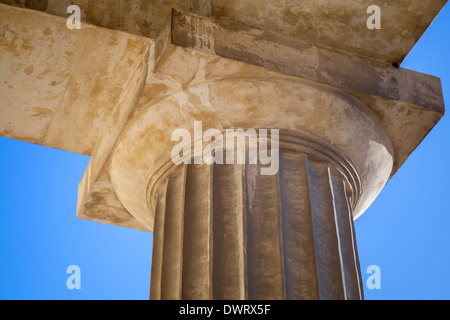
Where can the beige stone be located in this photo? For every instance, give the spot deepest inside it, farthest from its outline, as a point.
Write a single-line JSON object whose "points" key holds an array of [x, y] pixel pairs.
{"points": [[117, 88]]}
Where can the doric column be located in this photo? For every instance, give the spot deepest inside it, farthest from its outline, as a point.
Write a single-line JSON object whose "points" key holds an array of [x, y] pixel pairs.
{"points": [[348, 118], [228, 232]]}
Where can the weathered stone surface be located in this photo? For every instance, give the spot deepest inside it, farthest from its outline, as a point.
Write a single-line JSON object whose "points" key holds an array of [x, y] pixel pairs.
{"points": [[391, 92], [340, 24], [60, 86], [245, 101], [309, 68], [334, 24], [408, 104]]}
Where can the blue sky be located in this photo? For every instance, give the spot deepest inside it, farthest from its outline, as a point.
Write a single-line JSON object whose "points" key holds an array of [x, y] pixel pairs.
{"points": [[406, 232]]}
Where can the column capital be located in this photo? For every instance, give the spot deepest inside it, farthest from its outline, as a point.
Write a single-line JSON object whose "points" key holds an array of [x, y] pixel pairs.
{"points": [[142, 154]]}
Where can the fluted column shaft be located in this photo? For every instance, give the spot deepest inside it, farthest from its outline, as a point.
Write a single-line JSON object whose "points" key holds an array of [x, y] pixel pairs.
{"points": [[227, 232]]}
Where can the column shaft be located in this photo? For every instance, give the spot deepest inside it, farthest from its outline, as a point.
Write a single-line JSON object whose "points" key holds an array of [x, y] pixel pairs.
{"points": [[227, 232]]}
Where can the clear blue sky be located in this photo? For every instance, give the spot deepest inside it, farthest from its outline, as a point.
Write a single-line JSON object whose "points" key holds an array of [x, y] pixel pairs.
{"points": [[406, 232]]}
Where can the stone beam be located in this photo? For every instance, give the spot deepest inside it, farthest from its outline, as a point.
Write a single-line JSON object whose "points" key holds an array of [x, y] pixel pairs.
{"points": [[60, 86], [294, 57], [337, 25]]}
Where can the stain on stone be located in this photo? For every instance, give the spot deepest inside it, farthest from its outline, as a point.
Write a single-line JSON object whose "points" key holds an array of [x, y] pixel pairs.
{"points": [[97, 207], [40, 5], [290, 17], [41, 112], [15, 3], [47, 31], [4, 132], [29, 70]]}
